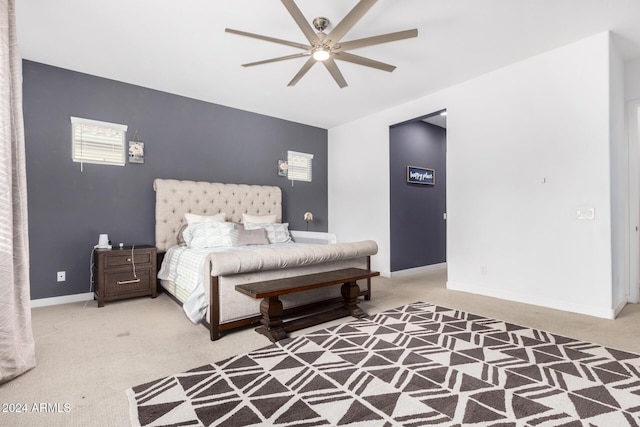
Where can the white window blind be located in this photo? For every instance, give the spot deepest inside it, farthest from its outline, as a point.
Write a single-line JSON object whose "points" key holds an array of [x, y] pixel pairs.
{"points": [[300, 166], [97, 142]]}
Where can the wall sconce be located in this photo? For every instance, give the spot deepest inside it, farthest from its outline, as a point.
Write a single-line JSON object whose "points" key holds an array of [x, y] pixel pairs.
{"points": [[283, 167], [308, 217]]}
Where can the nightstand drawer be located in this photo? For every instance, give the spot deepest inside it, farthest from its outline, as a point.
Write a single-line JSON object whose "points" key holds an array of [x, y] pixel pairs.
{"points": [[117, 277], [118, 259], [125, 283]]}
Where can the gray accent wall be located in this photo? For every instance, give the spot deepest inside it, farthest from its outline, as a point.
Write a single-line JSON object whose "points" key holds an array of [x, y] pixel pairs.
{"points": [[418, 230], [184, 139]]}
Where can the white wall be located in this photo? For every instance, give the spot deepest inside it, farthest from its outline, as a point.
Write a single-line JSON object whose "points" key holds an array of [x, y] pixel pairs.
{"points": [[528, 145], [632, 80], [632, 96], [358, 187], [620, 233]]}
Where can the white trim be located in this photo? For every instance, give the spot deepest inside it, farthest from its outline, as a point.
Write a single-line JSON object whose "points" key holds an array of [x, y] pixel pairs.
{"points": [[316, 237], [633, 288], [619, 308], [97, 142], [299, 166], [66, 299], [532, 300], [383, 273], [417, 270], [90, 122]]}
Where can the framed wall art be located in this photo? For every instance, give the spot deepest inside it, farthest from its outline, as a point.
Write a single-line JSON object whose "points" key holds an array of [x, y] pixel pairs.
{"points": [[418, 175], [136, 152]]}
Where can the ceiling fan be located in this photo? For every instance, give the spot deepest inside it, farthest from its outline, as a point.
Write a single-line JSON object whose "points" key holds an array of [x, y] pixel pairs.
{"points": [[326, 48]]}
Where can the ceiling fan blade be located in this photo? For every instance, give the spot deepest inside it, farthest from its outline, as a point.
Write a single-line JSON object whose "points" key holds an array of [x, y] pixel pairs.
{"points": [[335, 72], [370, 41], [269, 39], [281, 58], [306, 67], [360, 60], [302, 22], [348, 22]]}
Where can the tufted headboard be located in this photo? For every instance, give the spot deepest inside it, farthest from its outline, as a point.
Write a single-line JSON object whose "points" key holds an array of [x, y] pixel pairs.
{"points": [[174, 198]]}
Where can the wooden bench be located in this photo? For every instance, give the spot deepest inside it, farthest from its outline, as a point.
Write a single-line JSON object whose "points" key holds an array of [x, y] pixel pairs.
{"points": [[275, 328]]}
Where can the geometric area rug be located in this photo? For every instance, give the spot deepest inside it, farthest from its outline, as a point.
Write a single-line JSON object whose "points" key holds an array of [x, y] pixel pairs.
{"points": [[420, 364]]}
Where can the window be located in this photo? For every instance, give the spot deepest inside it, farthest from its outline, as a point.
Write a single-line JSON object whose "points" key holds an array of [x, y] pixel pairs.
{"points": [[97, 142], [299, 166]]}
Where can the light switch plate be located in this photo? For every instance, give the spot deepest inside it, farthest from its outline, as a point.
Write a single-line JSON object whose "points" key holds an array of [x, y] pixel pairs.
{"points": [[586, 213]]}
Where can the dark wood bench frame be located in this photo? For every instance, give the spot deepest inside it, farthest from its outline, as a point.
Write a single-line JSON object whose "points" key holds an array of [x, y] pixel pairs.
{"points": [[275, 328]]}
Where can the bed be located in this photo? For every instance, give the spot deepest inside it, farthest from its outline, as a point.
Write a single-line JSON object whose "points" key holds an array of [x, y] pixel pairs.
{"points": [[203, 280]]}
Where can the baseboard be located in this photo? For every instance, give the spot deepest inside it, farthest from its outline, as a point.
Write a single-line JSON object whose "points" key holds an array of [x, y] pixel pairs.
{"points": [[416, 270], [43, 302], [532, 299], [620, 306]]}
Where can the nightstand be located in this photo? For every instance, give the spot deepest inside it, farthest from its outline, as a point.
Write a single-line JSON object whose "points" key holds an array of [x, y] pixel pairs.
{"points": [[124, 273]]}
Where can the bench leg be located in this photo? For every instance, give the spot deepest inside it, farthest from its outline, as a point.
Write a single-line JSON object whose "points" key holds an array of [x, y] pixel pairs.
{"points": [[214, 309], [272, 325], [214, 331], [350, 293], [367, 296]]}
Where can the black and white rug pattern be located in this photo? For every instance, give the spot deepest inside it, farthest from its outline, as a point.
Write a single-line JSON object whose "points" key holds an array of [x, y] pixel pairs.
{"points": [[416, 365]]}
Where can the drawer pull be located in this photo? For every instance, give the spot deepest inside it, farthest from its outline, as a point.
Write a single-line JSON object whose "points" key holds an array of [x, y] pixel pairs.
{"points": [[128, 259], [127, 282]]}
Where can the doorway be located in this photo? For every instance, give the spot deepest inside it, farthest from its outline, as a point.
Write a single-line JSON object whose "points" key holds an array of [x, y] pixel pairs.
{"points": [[418, 227]]}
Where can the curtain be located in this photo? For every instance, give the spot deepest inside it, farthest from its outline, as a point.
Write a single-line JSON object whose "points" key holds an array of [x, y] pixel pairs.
{"points": [[17, 347]]}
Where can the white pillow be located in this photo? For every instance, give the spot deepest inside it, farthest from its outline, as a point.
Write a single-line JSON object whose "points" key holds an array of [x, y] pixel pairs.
{"points": [[195, 219], [258, 219], [276, 233], [208, 234]]}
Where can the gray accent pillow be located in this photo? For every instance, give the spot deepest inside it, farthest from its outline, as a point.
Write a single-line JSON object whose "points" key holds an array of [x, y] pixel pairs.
{"points": [[276, 233], [251, 237]]}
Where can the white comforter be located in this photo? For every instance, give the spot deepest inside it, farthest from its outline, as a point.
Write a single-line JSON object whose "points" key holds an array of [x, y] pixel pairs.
{"points": [[190, 268]]}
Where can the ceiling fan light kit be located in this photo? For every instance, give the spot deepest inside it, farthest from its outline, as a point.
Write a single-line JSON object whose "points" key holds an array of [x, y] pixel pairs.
{"points": [[326, 48], [321, 53]]}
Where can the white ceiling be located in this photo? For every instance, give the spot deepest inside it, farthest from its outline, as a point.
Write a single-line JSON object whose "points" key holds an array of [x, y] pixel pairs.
{"points": [[181, 47]]}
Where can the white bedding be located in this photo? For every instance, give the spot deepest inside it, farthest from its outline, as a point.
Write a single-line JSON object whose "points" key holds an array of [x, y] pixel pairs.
{"points": [[189, 269], [188, 273]]}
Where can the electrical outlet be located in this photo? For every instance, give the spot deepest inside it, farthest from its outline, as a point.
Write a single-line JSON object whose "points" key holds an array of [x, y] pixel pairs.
{"points": [[61, 276]]}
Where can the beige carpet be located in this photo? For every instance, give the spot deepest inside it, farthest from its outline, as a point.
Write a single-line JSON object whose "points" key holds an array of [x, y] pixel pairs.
{"points": [[87, 357]]}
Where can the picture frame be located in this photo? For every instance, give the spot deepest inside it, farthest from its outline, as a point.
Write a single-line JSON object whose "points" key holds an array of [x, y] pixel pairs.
{"points": [[136, 152], [420, 175]]}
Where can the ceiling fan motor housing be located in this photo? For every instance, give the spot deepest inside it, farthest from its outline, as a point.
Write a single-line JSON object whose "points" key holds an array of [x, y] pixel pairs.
{"points": [[321, 23]]}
